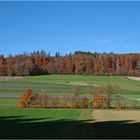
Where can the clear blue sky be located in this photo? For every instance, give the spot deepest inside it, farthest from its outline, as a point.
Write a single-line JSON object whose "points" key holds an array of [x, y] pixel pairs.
{"points": [[69, 26]]}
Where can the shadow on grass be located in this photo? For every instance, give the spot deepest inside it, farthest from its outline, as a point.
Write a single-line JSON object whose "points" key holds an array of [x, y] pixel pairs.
{"points": [[22, 128]]}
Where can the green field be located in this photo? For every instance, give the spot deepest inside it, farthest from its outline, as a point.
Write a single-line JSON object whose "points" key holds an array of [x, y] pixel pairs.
{"points": [[45, 123], [64, 123], [69, 124], [63, 85]]}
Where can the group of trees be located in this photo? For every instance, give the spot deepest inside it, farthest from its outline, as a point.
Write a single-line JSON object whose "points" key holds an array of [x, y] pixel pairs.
{"points": [[31, 99], [108, 96], [84, 63], [104, 97]]}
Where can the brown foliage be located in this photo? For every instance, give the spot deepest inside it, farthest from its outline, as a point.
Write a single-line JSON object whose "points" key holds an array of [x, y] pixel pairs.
{"points": [[105, 95], [97, 100], [26, 99], [85, 102], [78, 63], [41, 100], [31, 99]]}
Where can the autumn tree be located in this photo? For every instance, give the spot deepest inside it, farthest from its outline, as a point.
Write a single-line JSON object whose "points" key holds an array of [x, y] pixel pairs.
{"points": [[26, 99], [105, 95], [84, 63], [97, 100]]}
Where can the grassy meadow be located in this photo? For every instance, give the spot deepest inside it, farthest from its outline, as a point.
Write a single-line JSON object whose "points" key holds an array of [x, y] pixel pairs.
{"points": [[63, 85], [65, 123], [42, 123]]}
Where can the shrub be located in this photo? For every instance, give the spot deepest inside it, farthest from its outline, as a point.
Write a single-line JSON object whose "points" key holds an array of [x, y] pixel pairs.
{"points": [[85, 102], [40, 100], [55, 102]]}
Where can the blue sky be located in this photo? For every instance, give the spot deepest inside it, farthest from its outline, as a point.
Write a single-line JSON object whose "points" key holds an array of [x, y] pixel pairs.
{"points": [[69, 26]]}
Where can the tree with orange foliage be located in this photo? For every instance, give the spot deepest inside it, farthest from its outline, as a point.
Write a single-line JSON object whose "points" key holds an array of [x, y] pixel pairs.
{"points": [[26, 99], [97, 100], [105, 95]]}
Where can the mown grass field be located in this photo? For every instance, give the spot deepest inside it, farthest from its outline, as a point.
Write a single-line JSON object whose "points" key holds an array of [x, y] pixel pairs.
{"points": [[66, 123], [45, 123], [65, 82], [69, 124], [63, 85], [117, 124]]}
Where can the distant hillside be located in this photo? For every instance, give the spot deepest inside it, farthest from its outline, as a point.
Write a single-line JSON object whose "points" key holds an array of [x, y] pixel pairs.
{"points": [[84, 63]]}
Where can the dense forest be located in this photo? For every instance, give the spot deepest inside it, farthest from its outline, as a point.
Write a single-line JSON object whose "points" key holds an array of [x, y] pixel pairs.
{"points": [[84, 63]]}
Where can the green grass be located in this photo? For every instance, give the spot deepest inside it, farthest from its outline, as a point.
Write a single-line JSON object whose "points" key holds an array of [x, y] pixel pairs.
{"points": [[62, 123], [42, 114], [8, 102], [101, 80], [61, 84], [44, 123], [132, 95], [126, 84]]}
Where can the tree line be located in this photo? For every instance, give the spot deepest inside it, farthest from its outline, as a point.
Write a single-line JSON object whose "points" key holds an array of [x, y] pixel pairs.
{"points": [[81, 63], [104, 97]]}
